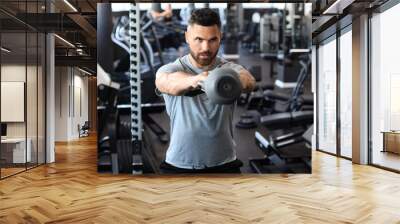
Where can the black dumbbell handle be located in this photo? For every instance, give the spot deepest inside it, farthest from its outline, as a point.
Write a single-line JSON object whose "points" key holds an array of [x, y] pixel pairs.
{"points": [[194, 92]]}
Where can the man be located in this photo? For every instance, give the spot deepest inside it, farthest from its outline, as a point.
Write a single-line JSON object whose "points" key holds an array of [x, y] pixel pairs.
{"points": [[164, 18], [158, 14], [201, 132]]}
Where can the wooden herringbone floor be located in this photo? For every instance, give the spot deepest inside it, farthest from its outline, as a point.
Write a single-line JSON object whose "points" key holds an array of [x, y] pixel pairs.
{"points": [[71, 191]]}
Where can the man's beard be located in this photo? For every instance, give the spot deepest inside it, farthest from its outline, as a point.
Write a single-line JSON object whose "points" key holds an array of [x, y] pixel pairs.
{"points": [[204, 61]]}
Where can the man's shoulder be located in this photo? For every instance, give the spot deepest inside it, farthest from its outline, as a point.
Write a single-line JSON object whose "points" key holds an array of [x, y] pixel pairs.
{"points": [[170, 67], [175, 62], [223, 61]]}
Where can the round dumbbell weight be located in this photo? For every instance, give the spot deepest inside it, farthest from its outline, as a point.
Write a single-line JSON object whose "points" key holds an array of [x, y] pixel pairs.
{"points": [[222, 86]]}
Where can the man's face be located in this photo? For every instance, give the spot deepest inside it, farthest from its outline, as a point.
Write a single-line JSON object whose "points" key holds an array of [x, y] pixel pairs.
{"points": [[203, 42]]}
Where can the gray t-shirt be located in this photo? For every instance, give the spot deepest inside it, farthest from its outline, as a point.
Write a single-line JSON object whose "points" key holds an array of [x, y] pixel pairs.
{"points": [[201, 132]]}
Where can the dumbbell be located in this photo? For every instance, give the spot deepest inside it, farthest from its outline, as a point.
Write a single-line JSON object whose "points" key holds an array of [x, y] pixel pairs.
{"points": [[222, 86]]}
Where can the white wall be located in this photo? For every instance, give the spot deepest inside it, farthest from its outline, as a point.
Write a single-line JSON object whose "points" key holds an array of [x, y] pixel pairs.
{"points": [[17, 73], [61, 103], [14, 73], [80, 94], [50, 95], [33, 125], [71, 93]]}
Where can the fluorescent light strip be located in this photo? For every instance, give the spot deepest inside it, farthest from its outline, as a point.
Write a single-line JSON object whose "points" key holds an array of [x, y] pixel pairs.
{"points": [[86, 72], [70, 5], [5, 50], [64, 40]]}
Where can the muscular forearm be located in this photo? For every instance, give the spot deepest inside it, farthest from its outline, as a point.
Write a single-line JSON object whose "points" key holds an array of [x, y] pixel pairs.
{"points": [[247, 80], [177, 83]]}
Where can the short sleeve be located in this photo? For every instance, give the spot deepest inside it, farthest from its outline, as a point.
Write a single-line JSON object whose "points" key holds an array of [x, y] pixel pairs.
{"points": [[169, 68]]}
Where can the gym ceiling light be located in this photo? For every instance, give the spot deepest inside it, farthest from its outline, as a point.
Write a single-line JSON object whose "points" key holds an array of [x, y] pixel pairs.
{"points": [[65, 41], [84, 71], [70, 5], [5, 50]]}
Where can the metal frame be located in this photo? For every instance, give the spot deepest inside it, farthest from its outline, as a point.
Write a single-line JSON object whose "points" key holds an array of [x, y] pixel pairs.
{"points": [[45, 90], [0, 93], [328, 39], [369, 90], [381, 9], [37, 92], [44, 74], [387, 5], [338, 98], [316, 97], [135, 81], [340, 30], [26, 88]]}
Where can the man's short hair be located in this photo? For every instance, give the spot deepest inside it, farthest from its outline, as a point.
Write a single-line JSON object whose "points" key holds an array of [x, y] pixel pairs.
{"points": [[205, 17]]}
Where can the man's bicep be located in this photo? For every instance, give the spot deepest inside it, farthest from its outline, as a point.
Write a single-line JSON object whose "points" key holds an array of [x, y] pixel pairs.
{"points": [[161, 81]]}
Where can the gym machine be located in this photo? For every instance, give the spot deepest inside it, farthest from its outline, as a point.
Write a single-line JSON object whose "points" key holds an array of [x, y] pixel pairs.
{"points": [[231, 31], [122, 146], [254, 99], [271, 34], [281, 33], [151, 103], [250, 37], [282, 155], [296, 40], [278, 108], [170, 33]]}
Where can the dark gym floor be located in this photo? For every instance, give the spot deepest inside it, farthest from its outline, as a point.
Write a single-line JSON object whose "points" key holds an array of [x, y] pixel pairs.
{"points": [[246, 147]]}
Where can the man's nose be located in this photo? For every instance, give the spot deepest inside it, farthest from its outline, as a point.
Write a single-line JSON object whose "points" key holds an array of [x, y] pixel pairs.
{"points": [[205, 46]]}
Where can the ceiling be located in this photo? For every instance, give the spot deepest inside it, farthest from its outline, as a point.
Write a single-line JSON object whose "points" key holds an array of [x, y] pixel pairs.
{"points": [[328, 16], [72, 20]]}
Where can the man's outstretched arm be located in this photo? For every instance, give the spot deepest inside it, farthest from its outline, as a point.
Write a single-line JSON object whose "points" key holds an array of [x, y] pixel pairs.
{"points": [[178, 83], [247, 80]]}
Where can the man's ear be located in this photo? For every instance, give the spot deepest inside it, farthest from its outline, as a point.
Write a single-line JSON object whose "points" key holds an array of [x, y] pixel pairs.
{"points": [[186, 37]]}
